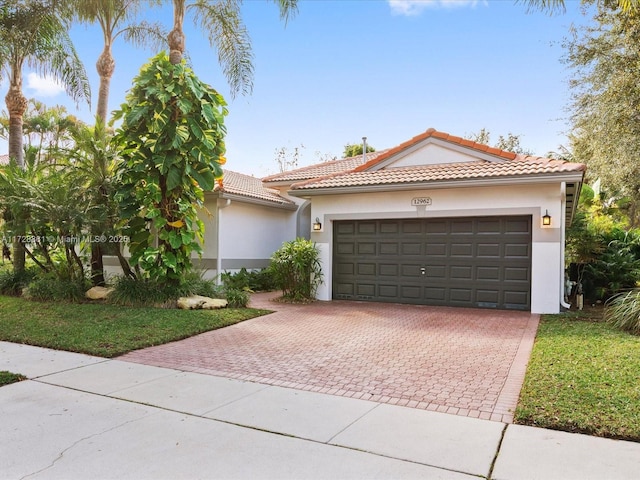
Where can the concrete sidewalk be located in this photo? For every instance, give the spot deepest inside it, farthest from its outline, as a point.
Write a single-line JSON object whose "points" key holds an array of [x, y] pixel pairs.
{"points": [[86, 417]]}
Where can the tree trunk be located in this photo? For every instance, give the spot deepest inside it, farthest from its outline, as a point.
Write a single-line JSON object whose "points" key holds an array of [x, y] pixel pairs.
{"points": [[17, 105], [176, 37], [105, 67]]}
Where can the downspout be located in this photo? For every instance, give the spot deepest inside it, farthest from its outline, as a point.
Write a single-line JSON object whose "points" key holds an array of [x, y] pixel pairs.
{"points": [[220, 204], [563, 224]]}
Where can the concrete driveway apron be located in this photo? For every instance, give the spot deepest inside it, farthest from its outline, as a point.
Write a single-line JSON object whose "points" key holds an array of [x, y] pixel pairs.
{"points": [[468, 362]]}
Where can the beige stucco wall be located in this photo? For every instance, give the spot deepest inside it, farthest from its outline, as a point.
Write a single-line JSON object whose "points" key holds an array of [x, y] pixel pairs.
{"points": [[534, 200]]}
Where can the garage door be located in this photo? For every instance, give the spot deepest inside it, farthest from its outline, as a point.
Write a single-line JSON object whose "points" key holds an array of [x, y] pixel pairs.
{"points": [[466, 262]]}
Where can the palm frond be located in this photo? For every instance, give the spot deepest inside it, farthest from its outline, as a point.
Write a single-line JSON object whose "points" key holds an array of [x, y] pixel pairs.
{"points": [[226, 32]]}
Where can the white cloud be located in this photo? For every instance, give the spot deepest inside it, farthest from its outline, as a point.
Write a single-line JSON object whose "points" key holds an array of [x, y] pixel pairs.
{"points": [[415, 7], [43, 86]]}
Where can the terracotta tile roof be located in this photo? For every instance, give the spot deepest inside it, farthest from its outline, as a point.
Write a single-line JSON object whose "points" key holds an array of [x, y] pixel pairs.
{"points": [[433, 133], [247, 186], [4, 159], [445, 172], [322, 169], [507, 164]]}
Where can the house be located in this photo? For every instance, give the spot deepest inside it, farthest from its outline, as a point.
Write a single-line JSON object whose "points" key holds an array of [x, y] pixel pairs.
{"points": [[437, 220], [440, 220]]}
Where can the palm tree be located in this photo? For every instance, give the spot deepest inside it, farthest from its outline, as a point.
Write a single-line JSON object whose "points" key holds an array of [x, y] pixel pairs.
{"points": [[221, 21], [113, 17], [34, 32]]}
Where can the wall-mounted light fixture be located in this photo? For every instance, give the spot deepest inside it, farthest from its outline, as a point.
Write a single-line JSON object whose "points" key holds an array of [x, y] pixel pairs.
{"points": [[317, 226], [546, 219]]}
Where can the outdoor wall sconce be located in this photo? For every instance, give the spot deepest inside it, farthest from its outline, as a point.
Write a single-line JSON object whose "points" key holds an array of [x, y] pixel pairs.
{"points": [[546, 219], [317, 226]]}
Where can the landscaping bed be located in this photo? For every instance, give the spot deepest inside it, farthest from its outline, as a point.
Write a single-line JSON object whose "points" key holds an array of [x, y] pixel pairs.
{"points": [[583, 376]]}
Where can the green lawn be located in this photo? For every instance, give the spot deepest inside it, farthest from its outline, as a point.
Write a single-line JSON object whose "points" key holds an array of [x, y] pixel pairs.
{"points": [[583, 376], [7, 377], [106, 330]]}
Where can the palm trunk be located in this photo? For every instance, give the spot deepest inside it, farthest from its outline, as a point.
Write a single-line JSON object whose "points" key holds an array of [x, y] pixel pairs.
{"points": [[17, 105], [176, 37], [105, 67]]}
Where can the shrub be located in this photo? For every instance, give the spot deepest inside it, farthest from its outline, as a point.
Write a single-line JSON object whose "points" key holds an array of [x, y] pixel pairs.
{"points": [[194, 284], [296, 269], [142, 292], [12, 283], [237, 298], [49, 287], [623, 311], [255, 280]]}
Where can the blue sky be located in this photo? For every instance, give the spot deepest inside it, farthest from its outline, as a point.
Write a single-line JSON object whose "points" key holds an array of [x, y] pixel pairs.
{"points": [[387, 70]]}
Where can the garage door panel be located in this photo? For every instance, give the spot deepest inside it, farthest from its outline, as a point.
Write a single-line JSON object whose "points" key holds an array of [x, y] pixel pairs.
{"points": [[367, 269], [461, 272], [521, 225], [389, 248], [516, 274], [388, 291], [412, 227], [489, 226], [437, 227], [519, 250], [474, 262], [410, 270], [387, 269], [435, 293], [364, 228], [411, 248], [389, 227], [433, 249], [488, 250], [345, 268], [461, 294], [487, 273], [461, 249], [344, 248], [366, 290]]}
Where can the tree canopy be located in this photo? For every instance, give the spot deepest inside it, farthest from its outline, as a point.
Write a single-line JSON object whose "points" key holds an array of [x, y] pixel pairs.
{"points": [[605, 107]]}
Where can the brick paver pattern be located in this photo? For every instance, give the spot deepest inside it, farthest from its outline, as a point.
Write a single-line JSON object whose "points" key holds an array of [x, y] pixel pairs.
{"points": [[467, 362]]}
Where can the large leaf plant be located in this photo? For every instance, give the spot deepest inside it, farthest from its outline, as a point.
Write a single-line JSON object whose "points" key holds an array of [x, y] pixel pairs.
{"points": [[172, 145]]}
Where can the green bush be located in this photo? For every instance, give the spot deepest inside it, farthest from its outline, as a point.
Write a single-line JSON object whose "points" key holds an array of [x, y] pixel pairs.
{"points": [[623, 311], [142, 292], [237, 298], [49, 287], [194, 284], [296, 269], [12, 283], [255, 280]]}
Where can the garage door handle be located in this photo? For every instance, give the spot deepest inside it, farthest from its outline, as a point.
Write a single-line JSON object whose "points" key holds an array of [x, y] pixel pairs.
{"points": [[423, 271]]}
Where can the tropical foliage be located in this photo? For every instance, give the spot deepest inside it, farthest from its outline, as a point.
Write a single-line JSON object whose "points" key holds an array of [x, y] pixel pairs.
{"points": [[172, 146], [296, 269]]}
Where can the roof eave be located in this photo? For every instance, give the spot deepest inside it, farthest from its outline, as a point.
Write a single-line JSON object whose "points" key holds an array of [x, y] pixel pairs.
{"points": [[439, 184], [252, 200]]}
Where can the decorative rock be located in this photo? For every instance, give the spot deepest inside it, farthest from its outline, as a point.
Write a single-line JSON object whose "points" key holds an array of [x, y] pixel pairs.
{"points": [[197, 302], [98, 293]]}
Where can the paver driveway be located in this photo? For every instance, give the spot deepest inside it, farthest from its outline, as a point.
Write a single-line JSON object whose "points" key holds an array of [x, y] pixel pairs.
{"points": [[461, 361]]}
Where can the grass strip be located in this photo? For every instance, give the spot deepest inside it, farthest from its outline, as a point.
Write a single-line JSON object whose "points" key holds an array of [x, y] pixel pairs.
{"points": [[7, 377], [583, 376], [107, 330]]}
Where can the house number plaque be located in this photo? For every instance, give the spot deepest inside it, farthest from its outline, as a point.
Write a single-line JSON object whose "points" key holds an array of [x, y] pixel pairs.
{"points": [[421, 201]]}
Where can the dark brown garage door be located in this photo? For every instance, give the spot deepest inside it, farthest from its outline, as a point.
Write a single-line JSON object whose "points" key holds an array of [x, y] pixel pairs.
{"points": [[466, 262]]}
